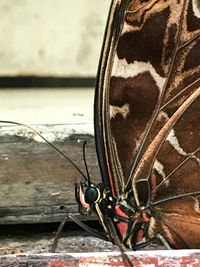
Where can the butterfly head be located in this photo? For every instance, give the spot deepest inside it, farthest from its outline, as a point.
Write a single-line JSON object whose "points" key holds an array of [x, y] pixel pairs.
{"points": [[87, 195]]}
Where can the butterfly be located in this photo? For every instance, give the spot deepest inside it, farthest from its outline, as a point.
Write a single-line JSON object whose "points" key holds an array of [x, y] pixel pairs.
{"points": [[147, 125]]}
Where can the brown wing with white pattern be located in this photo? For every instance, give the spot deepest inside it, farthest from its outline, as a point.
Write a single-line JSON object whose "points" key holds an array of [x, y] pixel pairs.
{"points": [[150, 66]]}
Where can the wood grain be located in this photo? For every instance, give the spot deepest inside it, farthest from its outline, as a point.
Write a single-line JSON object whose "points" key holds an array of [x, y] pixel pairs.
{"points": [[37, 183]]}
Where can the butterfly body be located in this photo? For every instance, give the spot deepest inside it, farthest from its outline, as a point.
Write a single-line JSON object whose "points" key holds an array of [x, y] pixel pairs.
{"points": [[133, 224], [147, 122]]}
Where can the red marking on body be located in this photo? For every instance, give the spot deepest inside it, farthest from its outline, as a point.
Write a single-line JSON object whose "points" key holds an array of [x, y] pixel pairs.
{"points": [[169, 235], [138, 214], [146, 219], [122, 226], [110, 177], [120, 212], [140, 235], [82, 199], [153, 184]]}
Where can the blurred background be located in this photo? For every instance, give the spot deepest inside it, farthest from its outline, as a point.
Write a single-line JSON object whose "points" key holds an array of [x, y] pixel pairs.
{"points": [[49, 52]]}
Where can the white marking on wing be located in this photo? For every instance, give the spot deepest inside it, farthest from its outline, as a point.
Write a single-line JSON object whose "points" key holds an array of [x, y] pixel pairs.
{"points": [[160, 169], [196, 9], [126, 28], [197, 159], [124, 110], [197, 205], [172, 139], [122, 69], [162, 116]]}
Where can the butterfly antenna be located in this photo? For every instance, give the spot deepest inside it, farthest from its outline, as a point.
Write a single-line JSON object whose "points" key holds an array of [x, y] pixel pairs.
{"points": [[86, 167], [50, 144]]}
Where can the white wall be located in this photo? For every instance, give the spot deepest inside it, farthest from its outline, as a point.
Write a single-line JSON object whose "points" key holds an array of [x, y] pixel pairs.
{"points": [[51, 37]]}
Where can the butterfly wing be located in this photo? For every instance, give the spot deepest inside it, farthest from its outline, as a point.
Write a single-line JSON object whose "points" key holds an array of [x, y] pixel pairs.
{"points": [[179, 222], [104, 141], [150, 65], [175, 181]]}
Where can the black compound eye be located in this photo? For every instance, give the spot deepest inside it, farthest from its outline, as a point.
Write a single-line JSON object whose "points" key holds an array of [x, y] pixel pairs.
{"points": [[91, 195]]}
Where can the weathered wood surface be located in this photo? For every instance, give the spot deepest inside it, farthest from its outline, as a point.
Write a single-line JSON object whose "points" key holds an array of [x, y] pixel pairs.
{"points": [[148, 258], [37, 184], [38, 238]]}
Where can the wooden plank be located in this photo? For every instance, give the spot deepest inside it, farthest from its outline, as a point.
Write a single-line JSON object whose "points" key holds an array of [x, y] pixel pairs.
{"points": [[140, 259], [37, 183], [38, 238], [36, 106]]}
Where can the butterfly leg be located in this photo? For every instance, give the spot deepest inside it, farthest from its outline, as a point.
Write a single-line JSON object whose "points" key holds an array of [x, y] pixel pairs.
{"points": [[59, 231], [163, 241], [82, 225], [144, 244], [115, 239], [88, 229]]}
